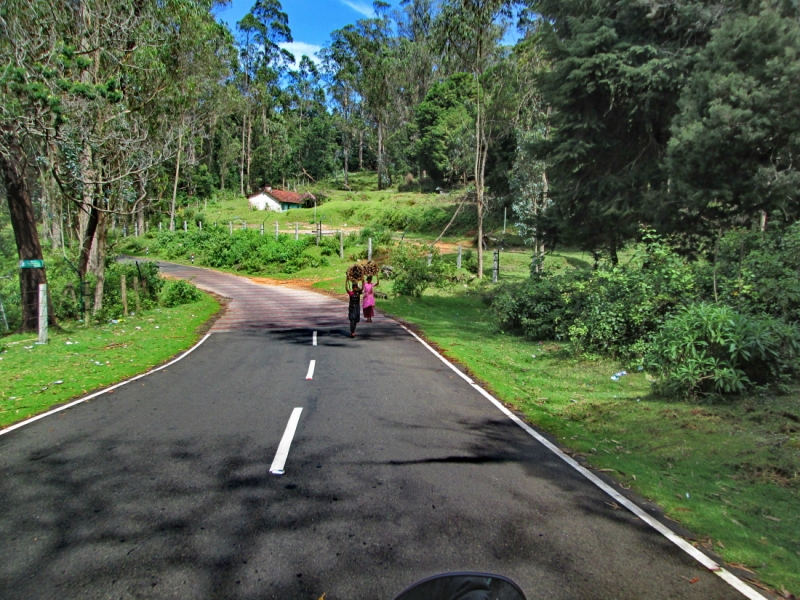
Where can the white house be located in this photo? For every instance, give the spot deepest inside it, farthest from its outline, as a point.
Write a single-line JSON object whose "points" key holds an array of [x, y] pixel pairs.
{"points": [[278, 200]]}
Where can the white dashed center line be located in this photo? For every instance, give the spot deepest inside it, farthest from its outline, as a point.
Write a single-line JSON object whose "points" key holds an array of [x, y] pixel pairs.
{"points": [[286, 441], [310, 374]]}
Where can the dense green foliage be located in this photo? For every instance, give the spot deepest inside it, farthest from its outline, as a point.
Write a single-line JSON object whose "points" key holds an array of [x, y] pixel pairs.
{"points": [[177, 292], [708, 349], [245, 250], [703, 328], [417, 268]]}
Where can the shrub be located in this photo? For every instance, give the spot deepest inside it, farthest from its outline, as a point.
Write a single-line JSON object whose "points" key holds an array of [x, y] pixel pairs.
{"points": [[709, 349], [177, 292], [611, 310], [412, 273]]}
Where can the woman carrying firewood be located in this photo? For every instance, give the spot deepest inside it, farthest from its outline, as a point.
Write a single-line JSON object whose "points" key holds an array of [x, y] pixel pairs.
{"points": [[354, 310], [369, 297]]}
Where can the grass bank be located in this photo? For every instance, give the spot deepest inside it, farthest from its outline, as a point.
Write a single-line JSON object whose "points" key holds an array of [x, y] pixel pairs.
{"points": [[728, 472], [78, 360]]}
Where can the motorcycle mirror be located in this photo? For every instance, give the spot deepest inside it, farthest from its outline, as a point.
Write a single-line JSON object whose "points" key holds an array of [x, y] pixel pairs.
{"points": [[463, 586]]}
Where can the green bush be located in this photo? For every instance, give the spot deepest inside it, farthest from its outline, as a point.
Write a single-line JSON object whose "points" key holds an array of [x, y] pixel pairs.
{"points": [[611, 310], [756, 272], [713, 350], [245, 250], [412, 273], [177, 292]]}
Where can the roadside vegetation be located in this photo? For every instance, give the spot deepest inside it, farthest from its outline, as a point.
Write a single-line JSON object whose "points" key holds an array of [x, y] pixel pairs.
{"points": [[637, 164], [78, 360]]}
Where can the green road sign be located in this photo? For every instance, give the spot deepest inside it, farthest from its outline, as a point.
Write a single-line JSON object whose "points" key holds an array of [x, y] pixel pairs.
{"points": [[31, 264]]}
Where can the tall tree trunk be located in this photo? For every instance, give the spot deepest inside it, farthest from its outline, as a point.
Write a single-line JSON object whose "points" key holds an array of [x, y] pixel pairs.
{"points": [[479, 163], [88, 239], [23, 222], [346, 149], [361, 150], [99, 269], [242, 157], [249, 151], [380, 156], [175, 183]]}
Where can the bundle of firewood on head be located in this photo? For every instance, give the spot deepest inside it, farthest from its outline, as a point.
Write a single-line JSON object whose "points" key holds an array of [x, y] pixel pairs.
{"points": [[359, 271]]}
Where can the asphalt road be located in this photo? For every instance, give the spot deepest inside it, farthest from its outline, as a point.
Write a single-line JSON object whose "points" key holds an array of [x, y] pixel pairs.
{"points": [[398, 470]]}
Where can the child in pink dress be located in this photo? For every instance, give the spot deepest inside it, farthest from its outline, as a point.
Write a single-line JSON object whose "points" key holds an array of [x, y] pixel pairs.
{"points": [[369, 298]]}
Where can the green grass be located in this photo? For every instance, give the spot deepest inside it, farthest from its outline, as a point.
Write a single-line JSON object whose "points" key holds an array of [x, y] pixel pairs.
{"points": [[739, 463], [78, 360]]}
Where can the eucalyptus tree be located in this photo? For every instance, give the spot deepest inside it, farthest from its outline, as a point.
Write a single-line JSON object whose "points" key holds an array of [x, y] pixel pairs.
{"points": [[470, 31], [340, 73], [263, 63]]}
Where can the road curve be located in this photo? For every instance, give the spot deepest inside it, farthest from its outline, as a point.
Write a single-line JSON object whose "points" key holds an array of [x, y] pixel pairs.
{"points": [[398, 469]]}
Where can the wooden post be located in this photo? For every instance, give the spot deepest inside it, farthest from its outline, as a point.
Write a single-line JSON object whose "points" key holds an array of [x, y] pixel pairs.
{"points": [[496, 266], [458, 260], [262, 229], [185, 227], [341, 244], [136, 228], [430, 258], [276, 231], [200, 223], [296, 231], [136, 294], [369, 249], [159, 226], [230, 227], [124, 295], [42, 313]]}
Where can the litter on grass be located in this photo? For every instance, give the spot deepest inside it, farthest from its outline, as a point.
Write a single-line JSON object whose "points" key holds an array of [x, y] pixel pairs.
{"points": [[617, 376]]}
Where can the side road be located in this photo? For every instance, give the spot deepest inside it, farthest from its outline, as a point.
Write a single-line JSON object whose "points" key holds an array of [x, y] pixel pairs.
{"points": [[398, 469]]}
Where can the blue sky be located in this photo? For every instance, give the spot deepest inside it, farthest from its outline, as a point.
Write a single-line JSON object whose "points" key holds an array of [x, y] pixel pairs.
{"points": [[311, 21]]}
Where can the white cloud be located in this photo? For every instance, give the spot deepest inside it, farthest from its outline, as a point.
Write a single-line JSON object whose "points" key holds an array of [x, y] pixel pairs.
{"points": [[364, 9], [298, 49]]}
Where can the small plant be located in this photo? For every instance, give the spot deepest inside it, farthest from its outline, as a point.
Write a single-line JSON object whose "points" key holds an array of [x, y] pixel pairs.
{"points": [[177, 292], [712, 350]]}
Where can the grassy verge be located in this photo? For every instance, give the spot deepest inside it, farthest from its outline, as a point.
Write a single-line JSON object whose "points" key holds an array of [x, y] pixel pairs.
{"points": [[78, 360], [730, 473]]}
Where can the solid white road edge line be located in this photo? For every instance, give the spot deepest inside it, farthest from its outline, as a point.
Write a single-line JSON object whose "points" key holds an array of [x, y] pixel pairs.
{"points": [[105, 391], [729, 577], [286, 441], [311, 365], [314, 341]]}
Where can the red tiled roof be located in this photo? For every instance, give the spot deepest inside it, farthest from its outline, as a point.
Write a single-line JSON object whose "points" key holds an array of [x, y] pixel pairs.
{"points": [[289, 197]]}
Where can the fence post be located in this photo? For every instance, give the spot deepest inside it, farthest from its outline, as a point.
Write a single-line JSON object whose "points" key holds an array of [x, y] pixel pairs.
{"points": [[495, 266], [230, 227], [185, 227], [276, 231], [42, 313], [341, 244], [86, 303], [369, 249], [3, 312], [123, 292], [262, 229], [430, 258], [458, 260], [136, 293], [296, 231], [136, 228], [200, 223], [319, 231]]}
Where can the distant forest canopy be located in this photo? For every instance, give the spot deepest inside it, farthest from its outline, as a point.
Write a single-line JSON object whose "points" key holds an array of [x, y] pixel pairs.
{"points": [[606, 116]]}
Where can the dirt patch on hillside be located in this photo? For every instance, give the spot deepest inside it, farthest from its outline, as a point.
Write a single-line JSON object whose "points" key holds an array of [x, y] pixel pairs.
{"points": [[300, 284]]}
